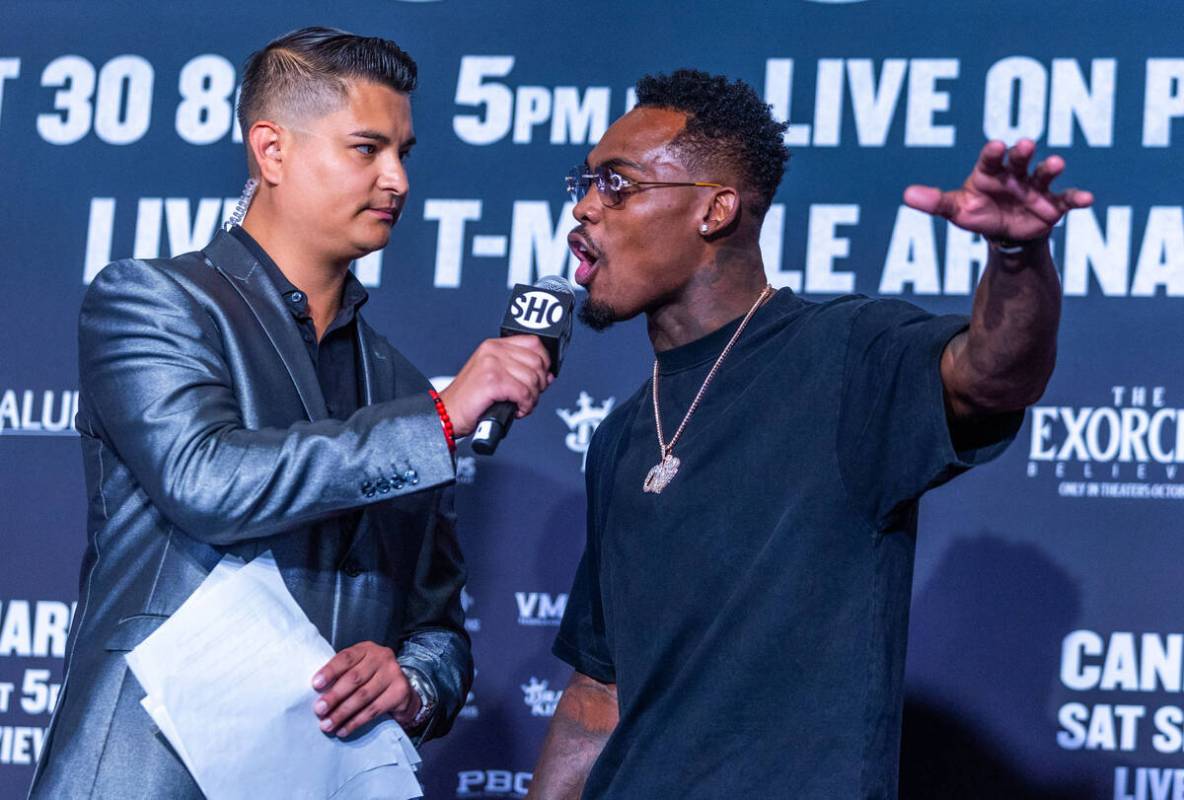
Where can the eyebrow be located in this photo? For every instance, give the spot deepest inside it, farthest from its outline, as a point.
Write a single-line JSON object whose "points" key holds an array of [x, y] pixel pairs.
{"points": [[372, 135], [381, 137], [613, 163]]}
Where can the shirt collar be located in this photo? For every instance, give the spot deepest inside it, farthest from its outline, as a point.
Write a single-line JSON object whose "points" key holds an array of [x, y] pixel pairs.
{"points": [[708, 347], [353, 294]]}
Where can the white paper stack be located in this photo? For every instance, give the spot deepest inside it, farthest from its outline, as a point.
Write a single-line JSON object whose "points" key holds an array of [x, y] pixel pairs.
{"points": [[228, 682]]}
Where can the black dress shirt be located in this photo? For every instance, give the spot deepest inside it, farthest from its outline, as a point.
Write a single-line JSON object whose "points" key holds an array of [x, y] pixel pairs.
{"points": [[335, 357]]}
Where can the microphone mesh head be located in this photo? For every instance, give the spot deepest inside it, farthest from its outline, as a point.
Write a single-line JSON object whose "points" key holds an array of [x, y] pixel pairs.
{"points": [[555, 283]]}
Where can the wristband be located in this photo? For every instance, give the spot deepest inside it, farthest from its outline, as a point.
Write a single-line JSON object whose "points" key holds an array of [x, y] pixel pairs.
{"points": [[445, 421], [1009, 247]]}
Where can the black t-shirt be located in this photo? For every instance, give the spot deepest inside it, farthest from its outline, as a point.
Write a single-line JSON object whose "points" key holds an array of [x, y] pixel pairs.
{"points": [[754, 614]]}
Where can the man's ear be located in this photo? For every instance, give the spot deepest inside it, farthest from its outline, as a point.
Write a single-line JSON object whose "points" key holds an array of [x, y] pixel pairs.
{"points": [[265, 144], [721, 212]]}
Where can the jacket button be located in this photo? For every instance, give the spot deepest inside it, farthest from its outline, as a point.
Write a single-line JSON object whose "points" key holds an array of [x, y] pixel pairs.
{"points": [[353, 569]]}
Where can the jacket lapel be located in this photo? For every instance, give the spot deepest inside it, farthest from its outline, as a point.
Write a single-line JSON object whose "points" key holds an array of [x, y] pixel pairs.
{"points": [[378, 373], [227, 255]]}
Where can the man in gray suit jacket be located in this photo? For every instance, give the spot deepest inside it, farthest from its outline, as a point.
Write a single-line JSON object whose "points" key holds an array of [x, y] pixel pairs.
{"points": [[233, 400]]}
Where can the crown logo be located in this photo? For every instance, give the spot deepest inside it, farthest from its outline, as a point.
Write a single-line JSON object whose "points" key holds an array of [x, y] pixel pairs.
{"points": [[583, 422], [542, 700]]}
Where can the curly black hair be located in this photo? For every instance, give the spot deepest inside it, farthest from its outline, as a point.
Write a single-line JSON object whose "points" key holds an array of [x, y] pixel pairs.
{"points": [[727, 125]]}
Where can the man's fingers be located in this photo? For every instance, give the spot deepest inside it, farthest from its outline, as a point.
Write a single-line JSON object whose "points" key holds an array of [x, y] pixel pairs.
{"points": [[531, 358], [531, 345], [931, 200], [387, 701], [1044, 208], [513, 368], [497, 354], [357, 699], [353, 709], [345, 688], [1076, 198], [1020, 156], [337, 665], [990, 158], [525, 383], [1046, 172], [523, 371], [513, 382], [520, 375], [1001, 197], [526, 341], [363, 681]]}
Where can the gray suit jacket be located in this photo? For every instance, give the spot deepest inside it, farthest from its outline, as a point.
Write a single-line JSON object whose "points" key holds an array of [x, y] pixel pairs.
{"points": [[204, 432]]}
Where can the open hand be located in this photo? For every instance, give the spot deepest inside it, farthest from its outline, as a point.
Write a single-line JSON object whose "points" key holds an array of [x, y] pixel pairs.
{"points": [[1000, 199]]}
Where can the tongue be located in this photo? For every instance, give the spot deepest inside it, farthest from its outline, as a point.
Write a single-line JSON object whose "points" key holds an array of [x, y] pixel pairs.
{"points": [[584, 271]]}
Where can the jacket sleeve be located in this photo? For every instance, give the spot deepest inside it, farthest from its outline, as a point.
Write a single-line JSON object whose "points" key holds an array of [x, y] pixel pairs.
{"points": [[157, 387], [433, 639]]}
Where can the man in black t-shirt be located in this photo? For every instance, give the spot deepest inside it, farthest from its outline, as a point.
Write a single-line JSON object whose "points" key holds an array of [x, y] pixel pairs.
{"points": [[738, 619]]}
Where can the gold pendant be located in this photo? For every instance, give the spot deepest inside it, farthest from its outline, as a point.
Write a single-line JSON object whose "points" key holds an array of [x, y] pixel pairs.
{"points": [[661, 474]]}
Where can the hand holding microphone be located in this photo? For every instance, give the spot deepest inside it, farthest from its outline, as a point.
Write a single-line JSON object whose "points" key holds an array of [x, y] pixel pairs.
{"points": [[504, 377], [513, 369]]}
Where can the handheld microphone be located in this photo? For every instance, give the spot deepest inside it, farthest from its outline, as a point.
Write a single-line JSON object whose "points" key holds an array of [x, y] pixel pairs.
{"points": [[544, 310]]}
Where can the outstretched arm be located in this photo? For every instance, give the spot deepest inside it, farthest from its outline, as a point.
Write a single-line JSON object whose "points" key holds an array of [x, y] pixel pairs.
{"points": [[585, 717], [1003, 362]]}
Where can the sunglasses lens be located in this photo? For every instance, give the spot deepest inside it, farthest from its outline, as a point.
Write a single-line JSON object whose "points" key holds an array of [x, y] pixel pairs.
{"points": [[577, 183], [604, 185]]}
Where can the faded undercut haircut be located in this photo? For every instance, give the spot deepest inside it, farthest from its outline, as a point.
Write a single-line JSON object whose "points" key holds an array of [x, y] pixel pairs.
{"points": [[728, 127], [306, 74]]}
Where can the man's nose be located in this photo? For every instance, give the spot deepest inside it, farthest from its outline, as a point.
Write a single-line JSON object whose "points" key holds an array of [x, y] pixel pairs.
{"points": [[393, 177], [589, 207]]}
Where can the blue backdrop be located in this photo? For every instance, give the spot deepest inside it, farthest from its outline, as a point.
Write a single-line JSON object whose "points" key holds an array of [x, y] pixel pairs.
{"points": [[1046, 644]]}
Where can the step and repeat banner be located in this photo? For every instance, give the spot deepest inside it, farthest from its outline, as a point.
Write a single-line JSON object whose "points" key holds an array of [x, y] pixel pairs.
{"points": [[1047, 642]]}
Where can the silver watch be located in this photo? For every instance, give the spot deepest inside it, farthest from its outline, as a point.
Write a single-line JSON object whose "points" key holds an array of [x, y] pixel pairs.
{"points": [[426, 691]]}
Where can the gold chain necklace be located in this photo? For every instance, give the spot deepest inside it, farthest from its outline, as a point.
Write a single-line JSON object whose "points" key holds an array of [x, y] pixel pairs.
{"points": [[660, 475]]}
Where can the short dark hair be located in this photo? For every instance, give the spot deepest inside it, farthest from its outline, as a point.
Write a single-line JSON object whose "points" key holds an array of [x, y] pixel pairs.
{"points": [[308, 71], [727, 125]]}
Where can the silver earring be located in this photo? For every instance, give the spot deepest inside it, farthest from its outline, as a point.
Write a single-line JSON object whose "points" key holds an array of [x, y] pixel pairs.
{"points": [[703, 228], [244, 202]]}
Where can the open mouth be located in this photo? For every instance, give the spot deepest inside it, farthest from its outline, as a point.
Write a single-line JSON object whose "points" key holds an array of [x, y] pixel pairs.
{"points": [[587, 254]]}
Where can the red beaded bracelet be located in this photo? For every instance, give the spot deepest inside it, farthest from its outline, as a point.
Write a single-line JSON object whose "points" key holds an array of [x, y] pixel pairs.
{"points": [[449, 434]]}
